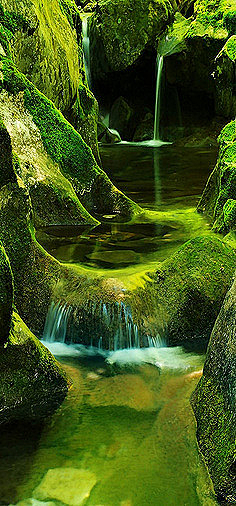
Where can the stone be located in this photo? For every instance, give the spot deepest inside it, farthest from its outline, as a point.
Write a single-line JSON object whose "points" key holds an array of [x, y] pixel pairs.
{"points": [[214, 401], [68, 485]]}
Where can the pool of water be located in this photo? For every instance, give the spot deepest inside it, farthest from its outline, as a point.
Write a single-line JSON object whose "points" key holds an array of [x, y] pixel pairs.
{"points": [[166, 181], [125, 435]]}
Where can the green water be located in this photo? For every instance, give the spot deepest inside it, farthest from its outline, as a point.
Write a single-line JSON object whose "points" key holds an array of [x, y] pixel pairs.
{"points": [[131, 429], [125, 435], [167, 182]]}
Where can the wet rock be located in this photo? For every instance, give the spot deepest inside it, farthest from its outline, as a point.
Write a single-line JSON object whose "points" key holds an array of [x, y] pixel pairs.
{"points": [[120, 31], [68, 485], [214, 401], [219, 196], [121, 118], [144, 130]]}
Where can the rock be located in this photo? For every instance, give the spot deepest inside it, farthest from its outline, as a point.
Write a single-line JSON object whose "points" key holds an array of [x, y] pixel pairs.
{"points": [[7, 173], [214, 401], [68, 485], [120, 31], [225, 98], [32, 383], [219, 196], [68, 151], [53, 197], [6, 296], [45, 49], [144, 130], [121, 118], [35, 273], [186, 292]]}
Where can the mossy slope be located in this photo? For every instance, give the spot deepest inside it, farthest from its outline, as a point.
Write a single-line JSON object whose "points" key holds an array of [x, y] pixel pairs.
{"points": [[6, 295]]}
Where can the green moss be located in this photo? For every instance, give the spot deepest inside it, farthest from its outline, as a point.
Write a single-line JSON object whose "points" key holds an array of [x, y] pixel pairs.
{"points": [[221, 185], [71, 11], [211, 12], [192, 282], [229, 21], [215, 432], [230, 47], [229, 211]]}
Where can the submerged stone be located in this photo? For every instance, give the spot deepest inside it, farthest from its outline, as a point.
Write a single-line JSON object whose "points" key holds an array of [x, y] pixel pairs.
{"points": [[68, 485]]}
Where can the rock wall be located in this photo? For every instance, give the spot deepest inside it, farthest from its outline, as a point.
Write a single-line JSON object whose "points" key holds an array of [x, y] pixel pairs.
{"points": [[214, 402]]}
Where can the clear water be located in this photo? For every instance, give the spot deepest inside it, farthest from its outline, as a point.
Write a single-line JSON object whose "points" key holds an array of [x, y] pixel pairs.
{"points": [[127, 420], [167, 182]]}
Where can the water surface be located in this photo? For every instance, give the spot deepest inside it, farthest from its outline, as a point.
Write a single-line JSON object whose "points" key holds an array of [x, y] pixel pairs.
{"points": [[127, 423]]}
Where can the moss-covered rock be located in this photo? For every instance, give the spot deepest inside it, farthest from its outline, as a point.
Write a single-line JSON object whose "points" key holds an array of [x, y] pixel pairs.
{"points": [[6, 296], [66, 148], [214, 401], [185, 294], [225, 98], [120, 31], [35, 273], [32, 383], [53, 197], [220, 191], [44, 39]]}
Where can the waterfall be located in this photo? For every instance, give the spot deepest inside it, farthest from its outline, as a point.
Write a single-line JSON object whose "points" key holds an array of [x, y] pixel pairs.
{"points": [[156, 136], [56, 324], [86, 50], [99, 324]]}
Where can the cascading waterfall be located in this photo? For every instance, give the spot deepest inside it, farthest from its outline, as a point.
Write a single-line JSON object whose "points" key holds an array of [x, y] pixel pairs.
{"points": [[86, 50], [156, 136], [110, 326]]}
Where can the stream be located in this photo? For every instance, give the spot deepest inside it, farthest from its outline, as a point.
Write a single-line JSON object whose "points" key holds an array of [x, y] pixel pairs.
{"points": [[125, 434]]}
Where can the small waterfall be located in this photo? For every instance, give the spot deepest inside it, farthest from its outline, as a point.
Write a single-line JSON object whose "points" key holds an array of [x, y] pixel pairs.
{"points": [[156, 136], [86, 50], [101, 325], [56, 324]]}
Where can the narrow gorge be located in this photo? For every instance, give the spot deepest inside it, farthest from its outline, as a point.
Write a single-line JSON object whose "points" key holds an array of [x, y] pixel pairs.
{"points": [[117, 252]]}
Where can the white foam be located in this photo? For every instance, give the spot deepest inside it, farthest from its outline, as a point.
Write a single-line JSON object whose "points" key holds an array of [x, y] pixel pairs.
{"points": [[164, 358]]}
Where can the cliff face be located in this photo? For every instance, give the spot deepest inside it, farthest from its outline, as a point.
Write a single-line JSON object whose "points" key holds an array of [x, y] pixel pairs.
{"points": [[214, 401]]}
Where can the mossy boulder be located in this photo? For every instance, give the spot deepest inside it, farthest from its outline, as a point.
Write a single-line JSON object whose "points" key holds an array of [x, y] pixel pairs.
{"points": [[32, 383], [120, 31], [64, 145], [218, 199], [6, 296], [214, 402], [185, 294], [53, 198]]}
